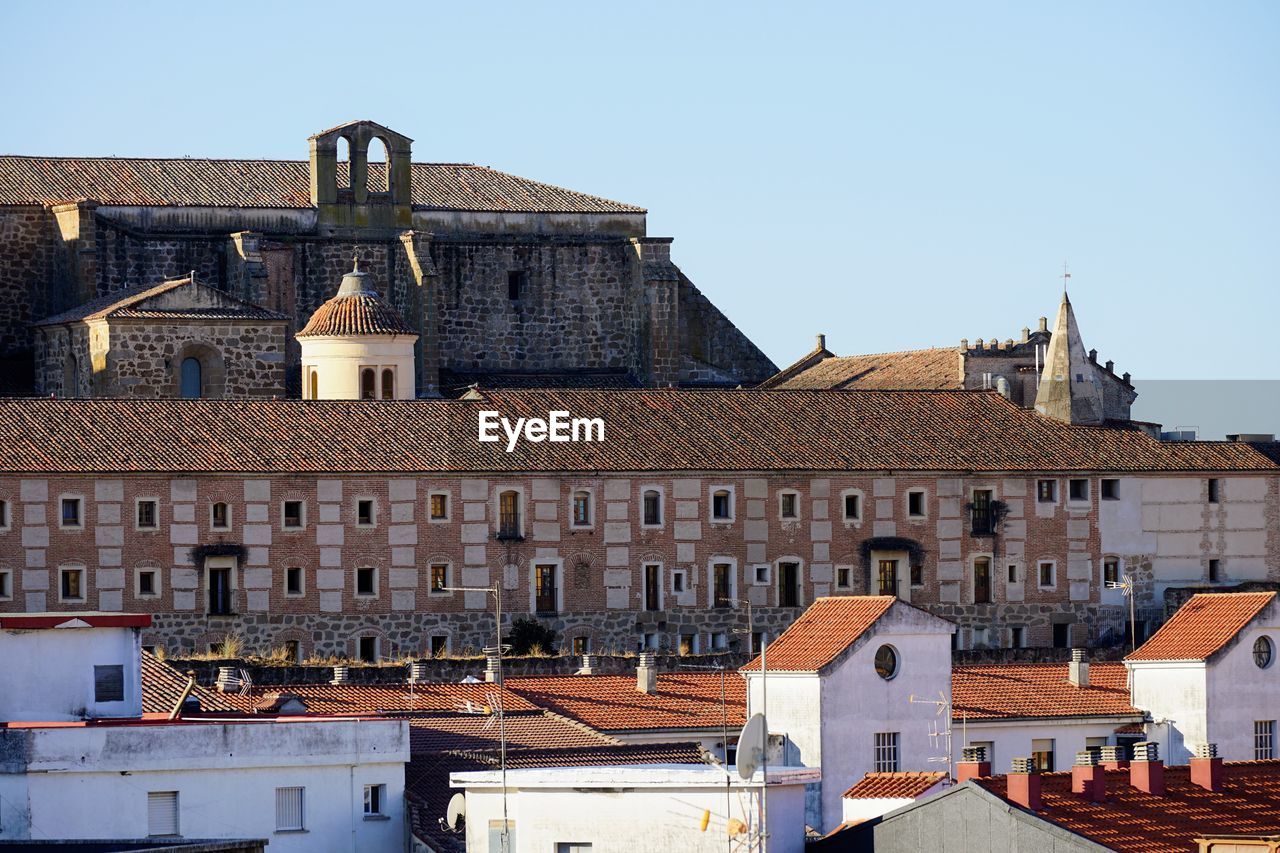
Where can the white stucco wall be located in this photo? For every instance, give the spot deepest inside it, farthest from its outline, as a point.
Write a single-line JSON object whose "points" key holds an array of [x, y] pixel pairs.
{"points": [[1240, 692], [337, 363], [1175, 694], [48, 673], [865, 808], [1012, 739], [653, 809], [225, 775]]}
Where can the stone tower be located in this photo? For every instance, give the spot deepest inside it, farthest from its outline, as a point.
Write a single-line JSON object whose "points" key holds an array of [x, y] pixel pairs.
{"points": [[357, 346], [359, 194], [1069, 387]]}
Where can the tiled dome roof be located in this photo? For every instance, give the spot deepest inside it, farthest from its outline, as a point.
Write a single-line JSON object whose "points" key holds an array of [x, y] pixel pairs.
{"points": [[357, 309]]}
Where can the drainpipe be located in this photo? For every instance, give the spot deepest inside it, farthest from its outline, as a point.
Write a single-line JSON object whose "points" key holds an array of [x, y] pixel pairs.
{"points": [[351, 770]]}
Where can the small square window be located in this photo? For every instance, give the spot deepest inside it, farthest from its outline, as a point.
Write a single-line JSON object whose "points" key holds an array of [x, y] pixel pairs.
{"points": [[108, 683], [1078, 490], [762, 573], [219, 516], [677, 580], [1046, 573], [439, 506], [439, 645], [293, 582], [843, 577], [789, 505], [915, 504], [1046, 491], [366, 581], [852, 508], [71, 515], [367, 649], [375, 797], [365, 512], [146, 583], [72, 584], [293, 515], [1215, 488], [148, 515], [439, 578], [1110, 489]]}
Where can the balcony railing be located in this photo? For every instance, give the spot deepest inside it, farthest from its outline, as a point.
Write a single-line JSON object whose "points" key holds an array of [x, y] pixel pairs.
{"points": [[509, 525]]}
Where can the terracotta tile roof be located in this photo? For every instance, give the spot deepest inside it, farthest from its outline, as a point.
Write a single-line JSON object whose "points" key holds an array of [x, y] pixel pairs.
{"points": [[188, 182], [468, 733], [1132, 821], [125, 303], [455, 383], [401, 698], [902, 785], [359, 314], [1203, 626], [823, 631], [647, 430], [923, 369], [611, 703], [1019, 690], [162, 685]]}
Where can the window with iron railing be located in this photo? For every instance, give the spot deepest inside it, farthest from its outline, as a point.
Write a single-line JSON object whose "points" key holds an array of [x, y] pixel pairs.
{"points": [[981, 519], [509, 515]]}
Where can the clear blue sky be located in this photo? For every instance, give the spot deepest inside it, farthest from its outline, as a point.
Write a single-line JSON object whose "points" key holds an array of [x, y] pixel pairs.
{"points": [[895, 175]]}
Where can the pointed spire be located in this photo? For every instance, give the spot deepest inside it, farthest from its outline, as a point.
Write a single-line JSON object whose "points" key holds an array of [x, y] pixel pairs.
{"points": [[1069, 387]]}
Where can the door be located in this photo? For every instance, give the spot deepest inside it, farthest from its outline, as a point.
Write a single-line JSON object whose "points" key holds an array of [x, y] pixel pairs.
{"points": [[545, 589], [721, 585], [652, 585], [788, 585], [888, 577], [219, 591], [982, 581]]}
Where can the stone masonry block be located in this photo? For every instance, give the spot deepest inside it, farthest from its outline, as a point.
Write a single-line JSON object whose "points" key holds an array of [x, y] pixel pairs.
{"points": [[546, 490], [819, 488], [755, 488], [257, 534], [257, 490], [108, 535], [546, 531], [403, 599], [617, 490], [618, 556], [755, 531], [615, 511], [617, 531], [884, 487], [402, 513], [37, 491], [475, 534], [184, 579], [884, 528], [257, 601], [331, 556], [184, 513], [402, 578], [686, 488], [755, 509], [330, 578], [107, 490], [475, 490], [257, 578], [688, 530], [183, 490], [884, 509], [949, 487], [820, 531], [111, 600], [329, 490], [474, 555], [402, 490], [403, 556], [110, 556]]}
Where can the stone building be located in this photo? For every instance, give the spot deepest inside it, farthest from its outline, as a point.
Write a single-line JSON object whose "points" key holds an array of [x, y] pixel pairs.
{"points": [[339, 525], [505, 280], [1020, 370]]}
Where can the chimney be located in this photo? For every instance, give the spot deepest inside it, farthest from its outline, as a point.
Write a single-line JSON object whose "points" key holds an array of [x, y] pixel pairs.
{"points": [[1008, 344], [228, 681], [1093, 356], [1111, 366], [1112, 758], [418, 673], [1146, 771], [994, 343], [964, 343], [1026, 334], [341, 675], [1088, 777], [1125, 378], [1044, 325], [1024, 784], [491, 672], [1206, 767], [1078, 669], [973, 763], [978, 344], [647, 673], [822, 342], [590, 665]]}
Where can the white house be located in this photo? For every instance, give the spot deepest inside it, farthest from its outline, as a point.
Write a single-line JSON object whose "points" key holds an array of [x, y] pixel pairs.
{"points": [[81, 761], [634, 809], [1209, 675], [839, 686], [880, 793]]}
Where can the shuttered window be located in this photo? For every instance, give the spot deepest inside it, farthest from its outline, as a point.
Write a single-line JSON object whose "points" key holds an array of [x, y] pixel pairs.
{"points": [[162, 813], [288, 808], [108, 683]]}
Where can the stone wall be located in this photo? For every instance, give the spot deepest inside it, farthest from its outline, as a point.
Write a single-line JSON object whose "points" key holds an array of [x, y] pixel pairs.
{"points": [[27, 271], [714, 351], [237, 359]]}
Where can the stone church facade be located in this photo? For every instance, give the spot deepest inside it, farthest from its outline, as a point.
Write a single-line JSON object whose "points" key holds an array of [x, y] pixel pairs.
{"points": [[506, 280]]}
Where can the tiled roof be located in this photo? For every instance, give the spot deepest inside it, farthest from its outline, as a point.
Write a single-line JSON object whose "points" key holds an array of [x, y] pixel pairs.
{"points": [[823, 631], [1132, 821], [162, 685], [468, 733], [1203, 626], [192, 182], [1019, 690], [901, 785], [455, 383], [923, 369], [646, 430], [401, 698], [124, 304], [610, 703], [359, 314]]}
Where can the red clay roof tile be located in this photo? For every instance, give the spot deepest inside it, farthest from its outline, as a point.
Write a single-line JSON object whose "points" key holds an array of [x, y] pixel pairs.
{"points": [[823, 631], [357, 314], [901, 785], [1018, 690], [922, 369], [1203, 626], [684, 700]]}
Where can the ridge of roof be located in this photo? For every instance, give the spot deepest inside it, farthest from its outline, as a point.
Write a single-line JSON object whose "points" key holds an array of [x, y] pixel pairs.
{"points": [[107, 304], [823, 632], [1203, 626]]}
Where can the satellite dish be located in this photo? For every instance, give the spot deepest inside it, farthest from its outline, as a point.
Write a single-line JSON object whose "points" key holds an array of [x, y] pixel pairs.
{"points": [[751, 746], [456, 811]]}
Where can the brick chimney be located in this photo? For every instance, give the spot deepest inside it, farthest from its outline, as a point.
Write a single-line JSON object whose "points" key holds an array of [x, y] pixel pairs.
{"points": [[1024, 784], [1088, 777], [341, 675], [973, 763], [1146, 771], [647, 673], [821, 342], [1044, 325], [1206, 767], [1078, 669], [1112, 758]]}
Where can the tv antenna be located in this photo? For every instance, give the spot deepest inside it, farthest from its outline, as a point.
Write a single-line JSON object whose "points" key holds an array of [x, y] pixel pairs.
{"points": [[1127, 588], [940, 737]]}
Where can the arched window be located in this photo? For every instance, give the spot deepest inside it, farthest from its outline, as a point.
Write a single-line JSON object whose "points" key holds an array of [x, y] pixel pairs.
{"points": [[315, 384], [388, 384], [71, 377], [343, 172], [379, 166], [367, 380], [192, 386], [509, 515], [581, 508]]}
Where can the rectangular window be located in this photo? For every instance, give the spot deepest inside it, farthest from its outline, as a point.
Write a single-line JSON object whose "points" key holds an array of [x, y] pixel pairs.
{"points": [[219, 516], [108, 683], [788, 584], [71, 512], [1215, 570], [915, 504], [852, 509], [1110, 490], [1264, 740], [439, 645], [289, 810], [4, 514], [1013, 573], [1215, 488], [844, 576], [293, 651], [581, 645], [761, 573], [6, 584], [1047, 573], [722, 505], [1061, 635], [652, 508], [888, 578], [72, 584], [1110, 570], [517, 281], [789, 505], [544, 584], [917, 575], [982, 580], [147, 515], [652, 586], [1078, 490], [439, 506], [1017, 637], [220, 591], [980, 513], [292, 513], [1042, 754], [1046, 491], [367, 649], [364, 513], [366, 581], [509, 515], [722, 589], [581, 509], [886, 752], [162, 813], [677, 580], [146, 583], [293, 581], [375, 797], [439, 578]]}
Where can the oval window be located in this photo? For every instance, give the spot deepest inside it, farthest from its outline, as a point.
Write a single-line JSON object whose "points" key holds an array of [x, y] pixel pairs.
{"points": [[1263, 652], [886, 662]]}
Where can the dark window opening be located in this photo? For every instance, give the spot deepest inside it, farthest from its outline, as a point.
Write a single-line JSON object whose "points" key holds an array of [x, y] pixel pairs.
{"points": [[1110, 571], [364, 512], [788, 584], [146, 583], [1215, 571], [1214, 489], [917, 575], [652, 586], [71, 512], [581, 509], [293, 513], [982, 581], [850, 507], [388, 384], [509, 515], [980, 513], [652, 507], [915, 504], [108, 683], [192, 382], [1013, 573], [1078, 490], [517, 282], [293, 580], [1046, 491], [888, 577], [220, 517], [73, 584], [366, 581], [789, 506], [1061, 638], [439, 577], [544, 583], [720, 505], [1017, 637], [842, 577], [368, 649], [722, 586], [147, 514], [368, 382], [1110, 490], [439, 645], [220, 592]]}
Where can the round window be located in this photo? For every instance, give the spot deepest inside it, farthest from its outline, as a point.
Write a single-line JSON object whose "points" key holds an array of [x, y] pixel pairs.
{"points": [[1263, 652], [886, 662]]}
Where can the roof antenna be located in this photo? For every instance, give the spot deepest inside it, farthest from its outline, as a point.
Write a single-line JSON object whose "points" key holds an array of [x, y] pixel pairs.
{"points": [[1065, 275]]}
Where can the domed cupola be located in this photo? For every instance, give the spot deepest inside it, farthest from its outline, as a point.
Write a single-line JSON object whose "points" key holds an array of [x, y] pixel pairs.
{"points": [[357, 346]]}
